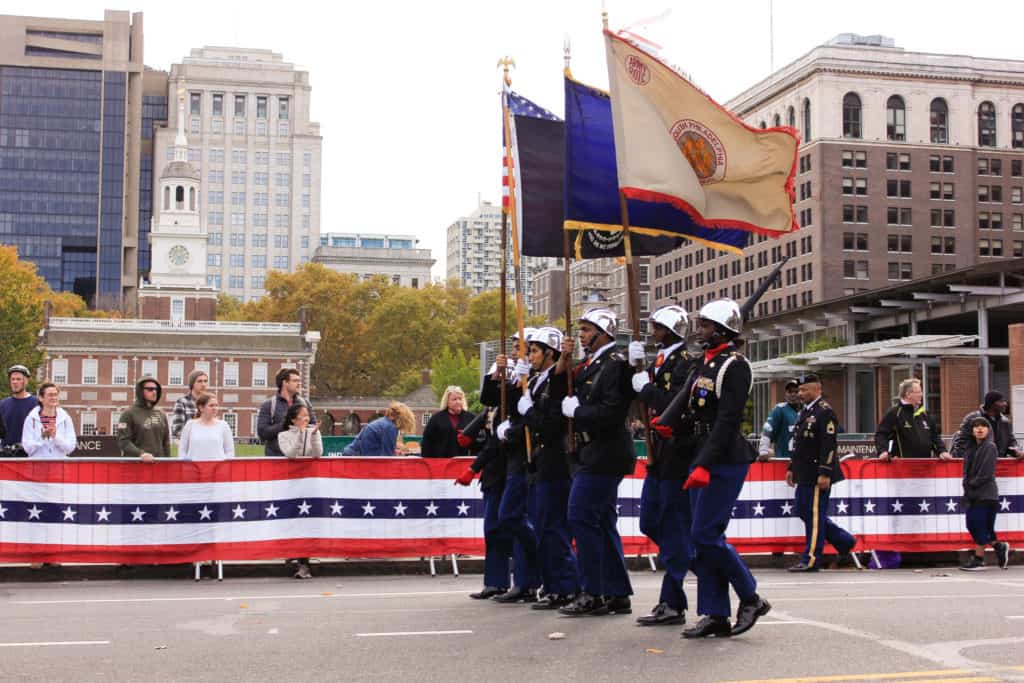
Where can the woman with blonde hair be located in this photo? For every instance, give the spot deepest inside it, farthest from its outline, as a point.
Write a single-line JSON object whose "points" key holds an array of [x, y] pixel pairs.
{"points": [[381, 436], [440, 436]]}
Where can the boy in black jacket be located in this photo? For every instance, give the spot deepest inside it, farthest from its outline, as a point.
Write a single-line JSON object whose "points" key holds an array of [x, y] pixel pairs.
{"points": [[981, 496]]}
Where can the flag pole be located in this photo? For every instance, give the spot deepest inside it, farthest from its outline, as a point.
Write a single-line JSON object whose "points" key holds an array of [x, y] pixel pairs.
{"points": [[505, 63], [568, 286], [633, 290]]}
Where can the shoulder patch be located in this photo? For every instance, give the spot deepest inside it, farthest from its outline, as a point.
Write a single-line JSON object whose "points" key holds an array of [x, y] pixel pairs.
{"points": [[825, 406]]}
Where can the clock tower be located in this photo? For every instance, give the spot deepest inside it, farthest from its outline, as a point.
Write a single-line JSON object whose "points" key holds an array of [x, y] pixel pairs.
{"points": [[177, 287]]}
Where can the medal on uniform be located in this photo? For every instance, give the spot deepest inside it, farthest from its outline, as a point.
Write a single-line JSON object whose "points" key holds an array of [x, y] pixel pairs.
{"points": [[660, 360]]}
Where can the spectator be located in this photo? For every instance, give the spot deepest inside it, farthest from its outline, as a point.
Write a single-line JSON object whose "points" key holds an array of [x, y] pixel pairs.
{"points": [[440, 436], [300, 439], [15, 408], [48, 431], [380, 436], [777, 433], [994, 410], [981, 496], [206, 437], [271, 419], [142, 431], [637, 429], [185, 408], [907, 431]]}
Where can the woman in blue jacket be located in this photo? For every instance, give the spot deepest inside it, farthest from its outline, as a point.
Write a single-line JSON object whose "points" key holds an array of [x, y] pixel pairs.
{"points": [[380, 436]]}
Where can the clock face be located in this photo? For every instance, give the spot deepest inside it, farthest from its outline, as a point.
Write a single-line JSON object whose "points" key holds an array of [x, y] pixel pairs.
{"points": [[178, 255]]}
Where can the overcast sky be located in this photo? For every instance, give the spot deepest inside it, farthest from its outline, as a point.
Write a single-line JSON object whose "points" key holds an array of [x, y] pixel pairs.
{"points": [[406, 93]]}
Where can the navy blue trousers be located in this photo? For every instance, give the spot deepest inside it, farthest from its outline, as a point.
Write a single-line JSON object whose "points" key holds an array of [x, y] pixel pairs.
{"points": [[514, 521], [498, 545], [675, 548], [592, 520], [715, 562], [981, 522], [650, 512], [812, 508], [558, 570]]}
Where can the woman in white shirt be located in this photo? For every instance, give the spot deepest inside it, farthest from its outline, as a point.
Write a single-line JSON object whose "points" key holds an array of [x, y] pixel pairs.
{"points": [[206, 436], [48, 431]]}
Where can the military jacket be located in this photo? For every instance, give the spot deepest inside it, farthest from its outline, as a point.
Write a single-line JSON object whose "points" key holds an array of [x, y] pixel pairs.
{"points": [[718, 399], [814, 445], [669, 459]]}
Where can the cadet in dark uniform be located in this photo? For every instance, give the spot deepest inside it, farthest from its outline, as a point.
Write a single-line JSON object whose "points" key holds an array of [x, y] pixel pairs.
{"points": [[541, 409], [663, 500], [599, 413], [718, 396], [813, 469], [514, 511]]}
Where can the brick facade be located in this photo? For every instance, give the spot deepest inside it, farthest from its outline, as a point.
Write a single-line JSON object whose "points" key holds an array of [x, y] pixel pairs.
{"points": [[1016, 355], [961, 388]]}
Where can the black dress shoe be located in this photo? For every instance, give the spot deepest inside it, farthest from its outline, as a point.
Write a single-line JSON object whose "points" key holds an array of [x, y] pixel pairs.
{"points": [[614, 605], [582, 605], [709, 626], [748, 613], [802, 567], [516, 595], [552, 601], [487, 593], [662, 615]]}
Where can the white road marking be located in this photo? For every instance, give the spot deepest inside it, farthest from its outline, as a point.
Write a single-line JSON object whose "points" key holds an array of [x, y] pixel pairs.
{"points": [[883, 598], [228, 598], [57, 642], [1016, 616], [780, 623], [413, 633]]}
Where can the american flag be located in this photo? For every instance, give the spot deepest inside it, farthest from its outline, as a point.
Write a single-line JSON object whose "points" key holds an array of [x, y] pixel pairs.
{"points": [[249, 509], [517, 106]]}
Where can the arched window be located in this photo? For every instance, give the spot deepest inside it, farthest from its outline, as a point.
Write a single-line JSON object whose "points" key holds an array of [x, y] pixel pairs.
{"points": [[762, 125], [896, 119], [191, 199], [179, 198], [791, 117], [851, 116], [167, 197], [940, 121], [986, 125], [1017, 126], [807, 120], [777, 121]]}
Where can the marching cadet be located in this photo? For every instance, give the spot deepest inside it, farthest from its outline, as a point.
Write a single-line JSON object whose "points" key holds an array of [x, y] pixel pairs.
{"points": [[541, 409], [599, 413], [514, 518], [717, 398], [663, 501], [813, 469]]}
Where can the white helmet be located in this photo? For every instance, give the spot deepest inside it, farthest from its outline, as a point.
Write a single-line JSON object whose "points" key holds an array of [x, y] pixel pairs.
{"points": [[527, 331], [601, 318], [550, 337], [672, 317], [725, 312]]}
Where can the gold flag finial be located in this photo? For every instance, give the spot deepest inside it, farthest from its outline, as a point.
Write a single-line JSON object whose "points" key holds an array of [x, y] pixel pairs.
{"points": [[567, 51], [506, 63]]}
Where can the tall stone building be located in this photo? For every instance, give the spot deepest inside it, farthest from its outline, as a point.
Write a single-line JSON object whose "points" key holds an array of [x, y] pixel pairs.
{"points": [[396, 257], [910, 165], [252, 140]]}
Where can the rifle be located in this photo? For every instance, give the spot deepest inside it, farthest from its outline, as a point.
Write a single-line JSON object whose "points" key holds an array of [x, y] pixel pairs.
{"points": [[677, 406]]}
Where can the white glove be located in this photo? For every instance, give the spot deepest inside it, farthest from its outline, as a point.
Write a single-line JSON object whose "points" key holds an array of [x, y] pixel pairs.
{"points": [[636, 353], [523, 368], [640, 380], [524, 404], [502, 430], [569, 406]]}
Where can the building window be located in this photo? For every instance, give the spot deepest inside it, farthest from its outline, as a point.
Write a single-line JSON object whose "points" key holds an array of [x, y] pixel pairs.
{"points": [[195, 103], [238, 239], [259, 260], [237, 260], [149, 368], [176, 373], [261, 107], [986, 125], [218, 104], [119, 371], [944, 245], [807, 120], [236, 282], [791, 117], [232, 420], [996, 167], [1016, 195], [852, 159], [59, 371], [90, 371], [898, 216], [900, 271], [851, 116], [939, 121], [177, 309], [855, 214], [897, 189], [281, 263], [943, 218], [897, 161], [900, 244], [87, 426], [855, 270], [1018, 248], [855, 241], [896, 119], [230, 374]]}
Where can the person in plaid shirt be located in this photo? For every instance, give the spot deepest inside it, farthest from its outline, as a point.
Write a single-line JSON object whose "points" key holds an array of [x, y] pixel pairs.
{"points": [[185, 407]]}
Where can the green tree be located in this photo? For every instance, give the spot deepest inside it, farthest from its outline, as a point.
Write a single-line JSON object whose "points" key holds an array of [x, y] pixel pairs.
{"points": [[453, 368]]}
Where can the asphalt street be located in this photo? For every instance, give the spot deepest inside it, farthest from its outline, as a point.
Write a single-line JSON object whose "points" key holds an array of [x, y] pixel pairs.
{"points": [[900, 625]]}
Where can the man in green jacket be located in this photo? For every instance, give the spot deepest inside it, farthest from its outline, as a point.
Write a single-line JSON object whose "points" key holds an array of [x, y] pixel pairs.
{"points": [[142, 431]]}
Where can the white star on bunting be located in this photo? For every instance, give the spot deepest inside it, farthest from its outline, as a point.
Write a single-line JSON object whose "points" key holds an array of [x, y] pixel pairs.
{"points": [[431, 510], [304, 508], [951, 505], [1004, 505], [34, 512], [869, 507], [3, 511], [103, 514], [368, 509], [205, 513], [463, 509], [842, 507], [172, 514], [137, 514], [787, 509], [758, 509], [897, 506], [69, 514], [238, 511], [337, 508], [271, 510], [925, 506]]}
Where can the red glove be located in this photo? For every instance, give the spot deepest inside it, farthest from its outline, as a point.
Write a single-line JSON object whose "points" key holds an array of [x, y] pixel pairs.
{"points": [[464, 441], [466, 478], [664, 431], [698, 479]]}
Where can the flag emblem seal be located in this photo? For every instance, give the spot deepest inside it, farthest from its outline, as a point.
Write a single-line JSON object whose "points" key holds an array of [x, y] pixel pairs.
{"points": [[702, 148], [604, 240], [638, 72]]}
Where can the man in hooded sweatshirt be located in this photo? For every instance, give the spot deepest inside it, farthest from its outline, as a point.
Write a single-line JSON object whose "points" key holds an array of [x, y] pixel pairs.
{"points": [[142, 431]]}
